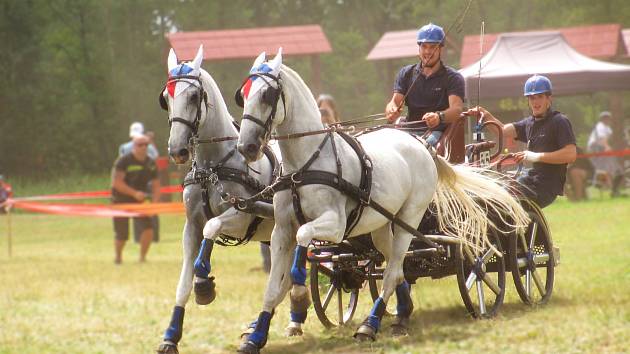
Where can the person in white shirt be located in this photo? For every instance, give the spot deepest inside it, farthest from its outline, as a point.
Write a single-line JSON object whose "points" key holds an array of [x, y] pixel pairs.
{"points": [[599, 141]]}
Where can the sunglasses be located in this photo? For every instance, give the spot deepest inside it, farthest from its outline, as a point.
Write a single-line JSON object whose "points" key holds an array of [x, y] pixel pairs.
{"points": [[142, 144]]}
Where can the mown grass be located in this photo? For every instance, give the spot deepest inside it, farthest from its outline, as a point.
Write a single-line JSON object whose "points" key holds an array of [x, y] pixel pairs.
{"points": [[60, 292]]}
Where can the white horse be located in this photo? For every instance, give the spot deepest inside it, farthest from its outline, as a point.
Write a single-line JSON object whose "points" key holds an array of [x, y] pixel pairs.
{"points": [[406, 178], [197, 109]]}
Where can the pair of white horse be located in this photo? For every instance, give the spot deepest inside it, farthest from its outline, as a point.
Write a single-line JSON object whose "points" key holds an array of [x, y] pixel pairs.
{"points": [[406, 178]]}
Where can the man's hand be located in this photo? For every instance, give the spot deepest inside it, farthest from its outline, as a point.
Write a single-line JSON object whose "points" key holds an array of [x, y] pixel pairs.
{"points": [[392, 112], [528, 156], [139, 196], [432, 119], [476, 110]]}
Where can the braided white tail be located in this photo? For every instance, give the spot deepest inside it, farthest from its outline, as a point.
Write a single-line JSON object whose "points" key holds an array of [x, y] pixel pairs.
{"points": [[466, 195]]}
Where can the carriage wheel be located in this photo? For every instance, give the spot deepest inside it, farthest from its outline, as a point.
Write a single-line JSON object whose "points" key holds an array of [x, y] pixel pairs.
{"points": [[329, 296], [375, 282], [532, 261], [486, 274]]}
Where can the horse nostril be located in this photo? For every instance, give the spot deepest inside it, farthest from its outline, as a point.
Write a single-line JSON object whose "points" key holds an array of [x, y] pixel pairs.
{"points": [[183, 153]]}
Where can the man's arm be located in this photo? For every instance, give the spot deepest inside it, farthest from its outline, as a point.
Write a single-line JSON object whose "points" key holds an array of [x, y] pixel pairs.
{"points": [[509, 131], [394, 106], [564, 155], [118, 183], [451, 114], [155, 190]]}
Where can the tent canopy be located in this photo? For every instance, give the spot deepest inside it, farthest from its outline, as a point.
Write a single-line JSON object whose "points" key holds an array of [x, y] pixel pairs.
{"points": [[516, 56]]}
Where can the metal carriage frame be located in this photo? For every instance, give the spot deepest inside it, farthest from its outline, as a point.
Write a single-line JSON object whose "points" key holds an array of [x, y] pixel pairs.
{"points": [[341, 271]]}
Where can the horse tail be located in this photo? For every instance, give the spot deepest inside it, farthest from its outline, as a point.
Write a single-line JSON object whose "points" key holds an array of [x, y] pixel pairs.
{"points": [[466, 195]]}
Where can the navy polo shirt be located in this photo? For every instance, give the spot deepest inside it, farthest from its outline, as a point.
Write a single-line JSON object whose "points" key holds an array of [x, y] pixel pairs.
{"points": [[428, 94], [548, 134]]}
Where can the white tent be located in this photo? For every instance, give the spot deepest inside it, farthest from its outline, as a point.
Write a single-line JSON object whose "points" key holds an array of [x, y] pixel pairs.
{"points": [[516, 56]]}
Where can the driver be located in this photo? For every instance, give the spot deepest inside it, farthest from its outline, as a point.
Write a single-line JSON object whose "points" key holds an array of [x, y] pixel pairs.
{"points": [[550, 142], [434, 92]]}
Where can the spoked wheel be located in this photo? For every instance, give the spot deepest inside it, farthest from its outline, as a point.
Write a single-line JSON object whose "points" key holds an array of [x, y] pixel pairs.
{"points": [[334, 304], [375, 281], [486, 274], [532, 260]]}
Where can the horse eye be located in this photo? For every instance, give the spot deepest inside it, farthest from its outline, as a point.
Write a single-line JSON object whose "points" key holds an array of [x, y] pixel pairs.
{"points": [[194, 97]]}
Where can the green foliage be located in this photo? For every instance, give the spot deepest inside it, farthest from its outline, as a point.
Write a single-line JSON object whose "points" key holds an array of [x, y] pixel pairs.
{"points": [[78, 72]]}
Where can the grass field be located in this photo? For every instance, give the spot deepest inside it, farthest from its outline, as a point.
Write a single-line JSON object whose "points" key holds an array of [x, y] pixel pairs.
{"points": [[60, 292]]}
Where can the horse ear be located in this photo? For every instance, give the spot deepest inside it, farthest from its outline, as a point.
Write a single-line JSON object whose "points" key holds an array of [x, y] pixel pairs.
{"points": [[276, 62], [172, 60], [196, 63], [259, 60]]}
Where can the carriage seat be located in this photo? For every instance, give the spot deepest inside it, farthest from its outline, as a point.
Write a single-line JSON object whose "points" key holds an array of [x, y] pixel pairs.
{"points": [[451, 143]]}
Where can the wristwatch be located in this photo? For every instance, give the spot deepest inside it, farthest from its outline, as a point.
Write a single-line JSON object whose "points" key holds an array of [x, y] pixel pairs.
{"points": [[441, 115]]}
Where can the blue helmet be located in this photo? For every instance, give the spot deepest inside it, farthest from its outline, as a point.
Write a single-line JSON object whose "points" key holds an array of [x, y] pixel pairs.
{"points": [[537, 84], [431, 34]]}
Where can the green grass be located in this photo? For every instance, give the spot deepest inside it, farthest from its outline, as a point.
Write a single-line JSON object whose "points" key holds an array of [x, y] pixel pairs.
{"points": [[60, 292]]}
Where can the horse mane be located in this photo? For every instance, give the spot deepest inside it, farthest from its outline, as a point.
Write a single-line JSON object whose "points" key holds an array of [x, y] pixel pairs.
{"points": [[297, 87], [216, 96]]}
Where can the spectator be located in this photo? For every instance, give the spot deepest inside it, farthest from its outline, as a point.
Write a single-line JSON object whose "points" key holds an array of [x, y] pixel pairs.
{"points": [[578, 175], [153, 151], [5, 193], [136, 129], [131, 174], [328, 109], [599, 141]]}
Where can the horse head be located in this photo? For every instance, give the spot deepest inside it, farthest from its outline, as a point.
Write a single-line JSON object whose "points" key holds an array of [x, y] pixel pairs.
{"points": [[185, 99], [260, 96]]}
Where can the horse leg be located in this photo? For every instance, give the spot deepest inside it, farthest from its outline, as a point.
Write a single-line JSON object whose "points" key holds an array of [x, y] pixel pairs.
{"points": [[326, 228], [173, 333], [393, 279], [299, 295], [277, 287], [204, 284]]}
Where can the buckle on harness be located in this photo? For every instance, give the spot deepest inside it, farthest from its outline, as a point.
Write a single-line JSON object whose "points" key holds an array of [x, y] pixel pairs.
{"points": [[294, 180]]}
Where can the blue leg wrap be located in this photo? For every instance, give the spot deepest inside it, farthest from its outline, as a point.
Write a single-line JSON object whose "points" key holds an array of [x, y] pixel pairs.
{"points": [[298, 270], [202, 262], [298, 317], [174, 331], [259, 336], [405, 304], [374, 319]]}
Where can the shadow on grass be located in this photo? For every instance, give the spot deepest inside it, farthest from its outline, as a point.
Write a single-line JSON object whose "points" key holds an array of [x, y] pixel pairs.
{"points": [[442, 325]]}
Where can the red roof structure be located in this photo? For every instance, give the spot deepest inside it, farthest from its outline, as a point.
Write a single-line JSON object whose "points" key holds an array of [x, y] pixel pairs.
{"points": [[625, 34], [596, 41], [248, 43], [397, 44]]}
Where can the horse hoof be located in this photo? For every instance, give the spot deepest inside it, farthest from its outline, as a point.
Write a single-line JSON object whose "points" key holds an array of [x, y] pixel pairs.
{"points": [[293, 331], [400, 327], [204, 291], [248, 348], [167, 348], [399, 331], [365, 333]]}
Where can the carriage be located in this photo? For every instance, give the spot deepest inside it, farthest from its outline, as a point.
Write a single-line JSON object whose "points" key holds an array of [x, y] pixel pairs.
{"points": [[339, 272], [344, 266]]}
